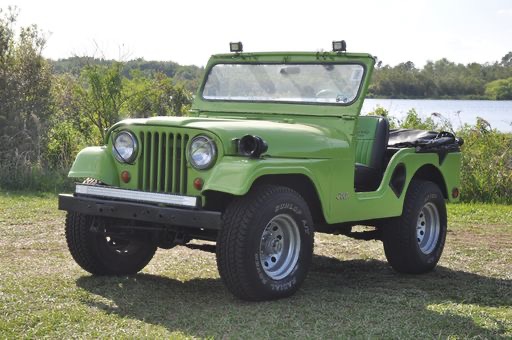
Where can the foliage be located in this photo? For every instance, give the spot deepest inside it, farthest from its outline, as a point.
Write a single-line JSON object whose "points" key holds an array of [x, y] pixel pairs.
{"points": [[100, 95], [156, 95], [439, 79], [104, 95], [380, 111], [507, 60], [188, 76], [48, 115], [64, 142], [500, 89], [25, 101], [413, 121], [486, 164]]}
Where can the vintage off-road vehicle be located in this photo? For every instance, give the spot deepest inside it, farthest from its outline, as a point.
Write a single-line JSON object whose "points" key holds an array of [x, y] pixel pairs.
{"points": [[272, 151]]}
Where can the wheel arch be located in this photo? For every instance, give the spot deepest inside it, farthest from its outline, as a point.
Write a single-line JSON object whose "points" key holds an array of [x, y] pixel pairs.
{"points": [[301, 183], [429, 172]]}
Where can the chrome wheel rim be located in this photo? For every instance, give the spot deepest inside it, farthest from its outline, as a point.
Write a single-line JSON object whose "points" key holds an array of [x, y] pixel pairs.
{"points": [[428, 228], [279, 246]]}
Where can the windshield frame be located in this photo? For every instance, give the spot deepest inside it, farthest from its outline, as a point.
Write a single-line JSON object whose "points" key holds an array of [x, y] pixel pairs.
{"points": [[263, 102]]}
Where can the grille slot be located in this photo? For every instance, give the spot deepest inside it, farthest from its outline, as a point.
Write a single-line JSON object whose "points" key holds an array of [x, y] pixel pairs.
{"points": [[162, 163]]}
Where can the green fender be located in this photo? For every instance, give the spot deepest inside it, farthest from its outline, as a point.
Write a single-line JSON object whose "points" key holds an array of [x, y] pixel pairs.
{"points": [[95, 162], [236, 175]]}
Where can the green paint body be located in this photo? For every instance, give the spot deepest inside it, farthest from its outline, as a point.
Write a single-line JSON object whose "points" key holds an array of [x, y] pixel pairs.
{"points": [[316, 141]]}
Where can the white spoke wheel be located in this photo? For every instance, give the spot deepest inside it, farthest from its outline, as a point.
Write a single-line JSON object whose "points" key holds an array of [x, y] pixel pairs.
{"points": [[265, 246], [414, 242]]}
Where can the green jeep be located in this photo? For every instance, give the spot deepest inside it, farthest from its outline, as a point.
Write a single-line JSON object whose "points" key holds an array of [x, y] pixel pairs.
{"points": [[273, 150]]}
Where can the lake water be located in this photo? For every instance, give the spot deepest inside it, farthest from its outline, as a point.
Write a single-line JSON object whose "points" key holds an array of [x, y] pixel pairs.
{"points": [[497, 113]]}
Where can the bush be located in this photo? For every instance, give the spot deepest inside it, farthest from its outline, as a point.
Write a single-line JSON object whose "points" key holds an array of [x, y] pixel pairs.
{"points": [[486, 164]]}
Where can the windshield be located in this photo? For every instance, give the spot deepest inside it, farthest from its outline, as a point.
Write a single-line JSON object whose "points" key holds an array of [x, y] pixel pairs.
{"points": [[303, 83]]}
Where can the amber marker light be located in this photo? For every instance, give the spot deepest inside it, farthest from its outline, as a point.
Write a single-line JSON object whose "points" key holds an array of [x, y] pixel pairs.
{"points": [[455, 192], [198, 183], [125, 176]]}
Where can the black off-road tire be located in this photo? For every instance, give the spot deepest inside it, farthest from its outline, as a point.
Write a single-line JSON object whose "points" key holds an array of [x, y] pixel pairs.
{"points": [[94, 253], [414, 242], [254, 256]]}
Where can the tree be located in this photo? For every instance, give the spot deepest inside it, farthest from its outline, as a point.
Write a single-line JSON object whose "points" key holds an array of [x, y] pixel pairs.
{"points": [[507, 60], [154, 96], [500, 89], [100, 95], [25, 101], [180, 100]]}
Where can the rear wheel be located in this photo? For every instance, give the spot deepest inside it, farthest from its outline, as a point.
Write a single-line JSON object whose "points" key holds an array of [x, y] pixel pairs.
{"points": [[101, 250], [265, 247], [414, 242]]}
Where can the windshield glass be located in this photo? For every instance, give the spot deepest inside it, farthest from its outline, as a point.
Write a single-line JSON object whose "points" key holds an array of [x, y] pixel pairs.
{"points": [[303, 83]]}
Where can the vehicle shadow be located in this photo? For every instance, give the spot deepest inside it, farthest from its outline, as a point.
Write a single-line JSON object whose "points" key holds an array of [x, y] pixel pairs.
{"points": [[339, 298]]}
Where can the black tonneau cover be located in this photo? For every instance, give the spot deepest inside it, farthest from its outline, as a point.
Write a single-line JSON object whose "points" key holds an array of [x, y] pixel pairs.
{"points": [[424, 141]]}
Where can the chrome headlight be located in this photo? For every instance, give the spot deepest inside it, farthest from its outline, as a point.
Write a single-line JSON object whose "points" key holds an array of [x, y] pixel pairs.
{"points": [[124, 147], [202, 152]]}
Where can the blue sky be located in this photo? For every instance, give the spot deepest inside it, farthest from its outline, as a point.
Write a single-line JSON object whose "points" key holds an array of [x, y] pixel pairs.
{"points": [[188, 32]]}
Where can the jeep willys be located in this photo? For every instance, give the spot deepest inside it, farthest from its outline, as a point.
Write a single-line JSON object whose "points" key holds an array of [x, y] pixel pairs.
{"points": [[272, 151]]}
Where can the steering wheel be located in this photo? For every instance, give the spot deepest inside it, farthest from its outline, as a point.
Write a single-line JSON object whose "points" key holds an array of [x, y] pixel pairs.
{"points": [[326, 93]]}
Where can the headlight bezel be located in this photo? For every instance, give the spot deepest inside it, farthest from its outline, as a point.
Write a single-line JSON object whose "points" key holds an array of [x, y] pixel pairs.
{"points": [[115, 149], [212, 146]]}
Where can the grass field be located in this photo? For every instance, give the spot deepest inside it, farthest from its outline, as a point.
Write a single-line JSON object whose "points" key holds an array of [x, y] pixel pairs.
{"points": [[350, 291]]}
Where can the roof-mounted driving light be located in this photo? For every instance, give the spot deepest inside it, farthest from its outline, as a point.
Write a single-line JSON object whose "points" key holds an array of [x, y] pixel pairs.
{"points": [[236, 47], [339, 46]]}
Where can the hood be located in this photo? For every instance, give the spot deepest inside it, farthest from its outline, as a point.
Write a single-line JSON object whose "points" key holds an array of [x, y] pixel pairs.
{"points": [[290, 140]]}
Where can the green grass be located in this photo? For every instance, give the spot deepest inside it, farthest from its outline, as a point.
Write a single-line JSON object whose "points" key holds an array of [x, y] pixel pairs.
{"points": [[350, 292]]}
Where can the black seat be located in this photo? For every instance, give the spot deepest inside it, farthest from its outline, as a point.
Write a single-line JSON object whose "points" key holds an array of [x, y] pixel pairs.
{"points": [[372, 135]]}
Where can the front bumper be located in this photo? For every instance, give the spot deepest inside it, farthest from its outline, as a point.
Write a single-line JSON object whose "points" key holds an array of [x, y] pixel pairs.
{"points": [[180, 217]]}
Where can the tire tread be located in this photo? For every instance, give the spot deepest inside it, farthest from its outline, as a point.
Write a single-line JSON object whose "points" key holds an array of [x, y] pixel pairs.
{"points": [[233, 236], [399, 246]]}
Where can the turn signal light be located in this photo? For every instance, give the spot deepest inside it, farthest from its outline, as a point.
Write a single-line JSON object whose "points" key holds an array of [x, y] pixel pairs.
{"points": [[198, 183], [125, 176]]}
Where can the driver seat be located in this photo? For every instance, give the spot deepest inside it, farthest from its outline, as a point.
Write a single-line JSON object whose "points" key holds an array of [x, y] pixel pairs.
{"points": [[372, 135]]}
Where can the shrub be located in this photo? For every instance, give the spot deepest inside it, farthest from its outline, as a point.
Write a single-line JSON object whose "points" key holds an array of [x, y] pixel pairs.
{"points": [[486, 173]]}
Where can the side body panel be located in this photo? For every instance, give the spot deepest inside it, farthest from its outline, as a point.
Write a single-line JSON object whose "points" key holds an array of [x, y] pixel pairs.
{"points": [[334, 183]]}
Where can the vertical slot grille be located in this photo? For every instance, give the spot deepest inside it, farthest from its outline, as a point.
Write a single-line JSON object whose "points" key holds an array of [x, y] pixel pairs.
{"points": [[162, 162]]}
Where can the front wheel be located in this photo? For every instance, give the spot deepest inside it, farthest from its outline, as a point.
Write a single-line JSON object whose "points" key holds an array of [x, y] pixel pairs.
{"points": [[414, 242], [101, 250], [265, 247]]}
